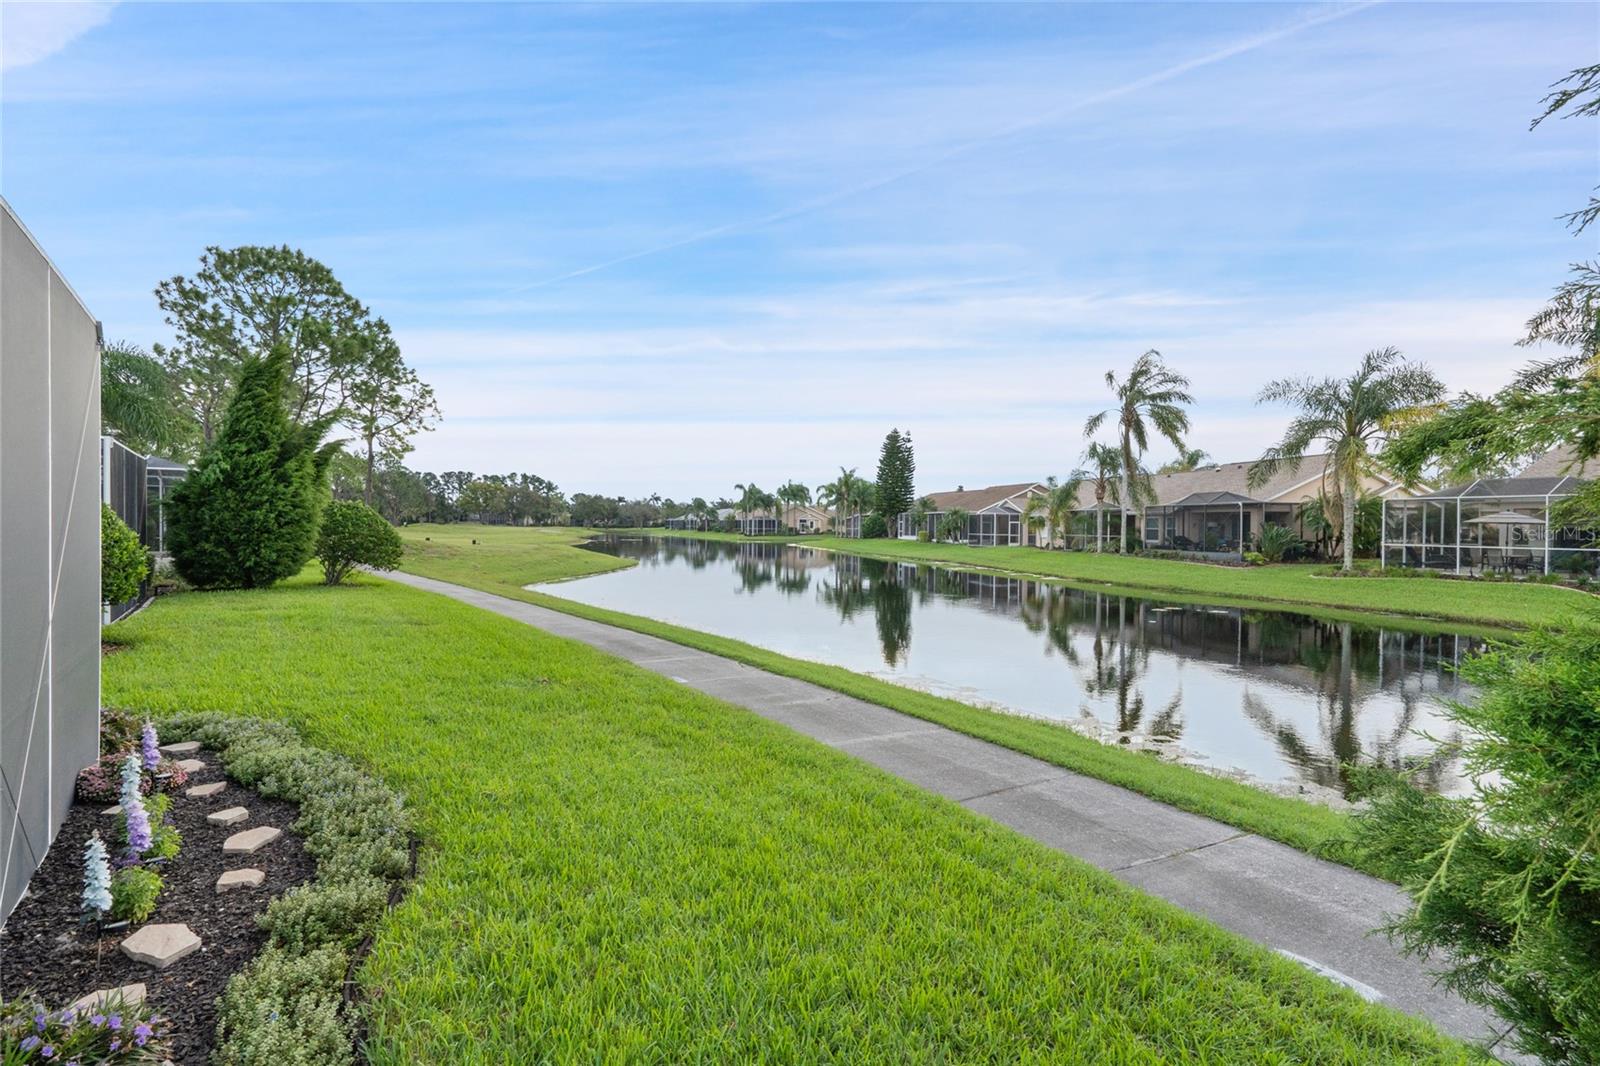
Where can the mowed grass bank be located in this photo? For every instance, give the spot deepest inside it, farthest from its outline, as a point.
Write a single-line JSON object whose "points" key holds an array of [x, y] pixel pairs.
{"points": [[1500, 604], [1296, 822], [617, 868]]}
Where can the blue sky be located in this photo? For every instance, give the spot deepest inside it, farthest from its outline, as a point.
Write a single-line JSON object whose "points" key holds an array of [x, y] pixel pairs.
{"points": [[666, 248]]}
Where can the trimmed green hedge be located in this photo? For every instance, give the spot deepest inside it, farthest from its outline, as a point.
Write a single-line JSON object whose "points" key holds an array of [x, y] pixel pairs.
{"points": [[286, 1007]]}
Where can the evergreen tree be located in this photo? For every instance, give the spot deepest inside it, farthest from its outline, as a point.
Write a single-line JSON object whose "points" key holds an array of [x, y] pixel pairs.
{"points": [[247, 515], [897, 469]]}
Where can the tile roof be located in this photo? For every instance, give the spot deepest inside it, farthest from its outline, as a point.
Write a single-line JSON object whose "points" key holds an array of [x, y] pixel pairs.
{"points": [[1222, 478], [1557, 462]]}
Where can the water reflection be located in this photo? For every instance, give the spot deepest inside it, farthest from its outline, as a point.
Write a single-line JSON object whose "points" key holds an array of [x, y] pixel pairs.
{"points": [[1287, 698]]}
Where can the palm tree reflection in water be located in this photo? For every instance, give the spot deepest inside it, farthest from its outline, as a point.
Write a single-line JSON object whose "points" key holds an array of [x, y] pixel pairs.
{"points": [[1320, 696]]}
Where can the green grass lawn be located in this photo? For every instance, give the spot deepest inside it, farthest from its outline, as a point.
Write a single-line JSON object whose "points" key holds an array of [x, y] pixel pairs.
{"points": [[618, 868], [499, 565], [1481, 603]]}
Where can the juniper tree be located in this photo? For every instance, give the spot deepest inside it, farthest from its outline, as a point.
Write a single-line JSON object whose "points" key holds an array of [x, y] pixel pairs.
{"points": [[247, 515]]}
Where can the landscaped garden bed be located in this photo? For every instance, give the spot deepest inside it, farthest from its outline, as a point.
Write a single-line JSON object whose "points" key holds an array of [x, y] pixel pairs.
{"points": [[225, 916]]}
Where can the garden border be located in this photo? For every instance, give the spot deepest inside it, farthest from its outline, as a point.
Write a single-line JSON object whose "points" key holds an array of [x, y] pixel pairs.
{"points": [[294, 1002]]}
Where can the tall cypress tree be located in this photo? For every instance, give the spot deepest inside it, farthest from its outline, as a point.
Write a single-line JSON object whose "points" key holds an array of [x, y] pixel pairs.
{"points": [[247, 515], [897, 469]]}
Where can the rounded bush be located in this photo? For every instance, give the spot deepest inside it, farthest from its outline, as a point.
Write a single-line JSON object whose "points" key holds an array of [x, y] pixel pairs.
{"points": [[123, 562], [352, 535]]}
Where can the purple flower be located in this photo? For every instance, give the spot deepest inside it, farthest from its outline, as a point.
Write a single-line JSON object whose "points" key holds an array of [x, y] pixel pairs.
{"points": [[115, 1021], [68, 1015], [138, 826], [97, 1020], [141, 1033], [152, 746], [30, 1042], [38, 1022], [48, 1051], [115, 1044]]}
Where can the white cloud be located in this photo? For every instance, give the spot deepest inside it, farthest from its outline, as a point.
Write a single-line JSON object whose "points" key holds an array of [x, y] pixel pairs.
{"points": [[30, 32]]}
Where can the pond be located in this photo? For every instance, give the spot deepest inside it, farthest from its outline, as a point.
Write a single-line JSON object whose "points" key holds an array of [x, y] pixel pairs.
{"points": [[1282, 699]]}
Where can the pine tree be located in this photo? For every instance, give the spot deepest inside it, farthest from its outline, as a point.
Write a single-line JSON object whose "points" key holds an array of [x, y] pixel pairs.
{"points": [[247, 516], [897, 470]]}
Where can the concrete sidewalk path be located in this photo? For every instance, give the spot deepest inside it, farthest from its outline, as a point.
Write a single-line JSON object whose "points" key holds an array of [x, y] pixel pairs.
{"points": [[1321, 913]]}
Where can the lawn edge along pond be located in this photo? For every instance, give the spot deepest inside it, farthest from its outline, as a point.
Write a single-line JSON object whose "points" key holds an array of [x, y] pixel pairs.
{"points": [[502, 559], [1428, 597], [615, 866]]}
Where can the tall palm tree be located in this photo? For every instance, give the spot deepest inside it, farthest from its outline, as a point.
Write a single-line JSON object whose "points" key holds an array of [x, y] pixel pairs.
{"points": [[1151, 396], [1349, 417], [844, 494], [751, 498], [793, 494]]}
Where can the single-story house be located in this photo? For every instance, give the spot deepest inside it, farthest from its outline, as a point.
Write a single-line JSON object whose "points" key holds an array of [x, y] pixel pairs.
{"points": [[802, 518], [1494, 524], [1215, 510], [994, 514]]}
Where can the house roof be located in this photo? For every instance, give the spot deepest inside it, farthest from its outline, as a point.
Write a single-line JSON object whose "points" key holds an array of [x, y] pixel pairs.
{"points": [[975, 500], [1223, 478], [1507, 488], [156, 462], [1208, 499], [1555, 463]]}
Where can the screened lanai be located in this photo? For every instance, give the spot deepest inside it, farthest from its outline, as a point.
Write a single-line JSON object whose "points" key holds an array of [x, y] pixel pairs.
{"points": [[1490, 526]]}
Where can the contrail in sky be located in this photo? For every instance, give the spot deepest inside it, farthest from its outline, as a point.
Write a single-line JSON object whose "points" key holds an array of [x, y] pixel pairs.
{"points": [[1247, 44]]}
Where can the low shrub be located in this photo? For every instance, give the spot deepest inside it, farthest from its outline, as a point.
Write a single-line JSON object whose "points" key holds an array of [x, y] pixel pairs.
{"points": [[102, 782], [319, 915], [286, 1007], [133, 893], [1275, 541], [279, 1011], [119, 730], [123, 562], [110, 1034], [351, 535], [1254, 559]]}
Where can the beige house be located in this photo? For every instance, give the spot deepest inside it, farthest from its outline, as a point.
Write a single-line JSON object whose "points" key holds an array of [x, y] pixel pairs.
{"points": [[804, 518], [1215, 508], [994, 514]]}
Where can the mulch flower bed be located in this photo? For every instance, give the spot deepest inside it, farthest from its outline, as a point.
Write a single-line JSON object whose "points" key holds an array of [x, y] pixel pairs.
{"points": [[47, 951]]}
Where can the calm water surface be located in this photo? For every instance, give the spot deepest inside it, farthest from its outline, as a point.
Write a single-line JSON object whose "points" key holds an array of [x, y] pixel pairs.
{"points": [[1288, 699]]}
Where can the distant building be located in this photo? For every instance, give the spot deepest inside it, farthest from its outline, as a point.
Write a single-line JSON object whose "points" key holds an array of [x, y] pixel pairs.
{"points": [[994, 514]]}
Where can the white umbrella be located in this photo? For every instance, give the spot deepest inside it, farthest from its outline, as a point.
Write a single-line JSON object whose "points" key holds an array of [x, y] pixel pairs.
{"points": [[1509, 518]]}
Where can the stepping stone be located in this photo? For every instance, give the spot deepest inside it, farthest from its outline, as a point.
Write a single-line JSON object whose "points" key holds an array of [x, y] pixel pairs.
{"points": [[251, 840], [202, 791], [113, 810], [161, 945], [193, 766], [187, 747], [247, 878], [128, 995], [230, 816]]}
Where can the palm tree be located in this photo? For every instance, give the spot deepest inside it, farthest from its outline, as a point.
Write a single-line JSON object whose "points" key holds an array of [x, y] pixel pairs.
{"points": [[845, 495], [751, 498], [1188, 459], [1104, 475], [1152, 395], [136, 400], [1349, 416], [793, 494], [1052, 509]]}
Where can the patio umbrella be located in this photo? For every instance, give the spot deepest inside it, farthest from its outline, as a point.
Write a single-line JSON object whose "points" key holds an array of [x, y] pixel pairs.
{"points": [[1509, 518]]}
